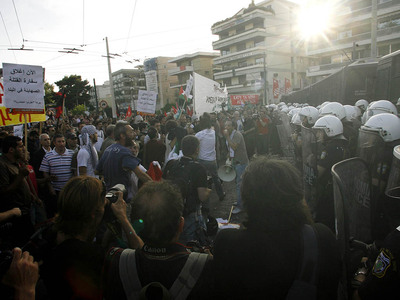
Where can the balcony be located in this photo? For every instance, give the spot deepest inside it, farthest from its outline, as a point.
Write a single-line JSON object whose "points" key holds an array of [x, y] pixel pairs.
{"points": [[222, 27], [239, 55], [180, 70], [240, 38], [362, 39]]}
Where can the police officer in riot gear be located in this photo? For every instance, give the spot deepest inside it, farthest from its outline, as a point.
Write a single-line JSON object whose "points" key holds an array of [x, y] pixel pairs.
{"points": [[334, 148]]}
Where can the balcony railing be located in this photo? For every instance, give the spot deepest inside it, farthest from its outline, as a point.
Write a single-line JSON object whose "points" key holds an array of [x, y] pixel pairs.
{"points": [[235, 39], [180, 70], [327, 45]]}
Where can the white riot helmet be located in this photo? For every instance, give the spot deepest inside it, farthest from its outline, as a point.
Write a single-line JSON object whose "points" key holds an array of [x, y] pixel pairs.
{"points": [[333, 108], [296, 120], [361, 104], [383, 106], [285, 109], [351, 112], [386, 125], [310, 112], [330, 124], [293, 111]]}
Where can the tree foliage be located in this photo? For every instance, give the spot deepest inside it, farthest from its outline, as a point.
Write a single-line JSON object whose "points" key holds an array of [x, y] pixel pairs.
{"points": [[75, 89], [48, 93], [79, 110]]}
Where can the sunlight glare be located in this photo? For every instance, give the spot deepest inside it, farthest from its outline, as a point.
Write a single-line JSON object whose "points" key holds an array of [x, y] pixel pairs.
{"points": [[314, 20]]}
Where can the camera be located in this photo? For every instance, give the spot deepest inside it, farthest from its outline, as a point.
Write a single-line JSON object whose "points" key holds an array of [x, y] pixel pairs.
{"points": [[112, 193], [109, 218]]}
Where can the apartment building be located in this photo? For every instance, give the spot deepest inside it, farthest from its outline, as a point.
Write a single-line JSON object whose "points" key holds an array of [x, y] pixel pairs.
{"points": [[127, 83], [199, 62], [259, 48], [362, 30]]}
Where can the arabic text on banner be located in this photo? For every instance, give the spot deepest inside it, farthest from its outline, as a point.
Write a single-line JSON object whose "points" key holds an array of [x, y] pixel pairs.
{"points": [[146, 102], [8, 119], [23, 86]]}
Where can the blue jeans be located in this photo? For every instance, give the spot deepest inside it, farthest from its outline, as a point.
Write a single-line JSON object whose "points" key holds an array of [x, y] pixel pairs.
{"points": [[211, 167], [194, 223], [239, 169]]}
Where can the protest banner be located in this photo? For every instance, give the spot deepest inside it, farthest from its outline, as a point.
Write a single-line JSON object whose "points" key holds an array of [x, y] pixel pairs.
{"points": [[146, 102], [208, 95], [8, 118], [23, 88], [151, 81], [244, 99]]}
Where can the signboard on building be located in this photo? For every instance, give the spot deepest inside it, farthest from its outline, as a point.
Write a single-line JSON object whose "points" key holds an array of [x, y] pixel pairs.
{"points": [[151, 81], [146, 102], [23, 87], [244, 99]]}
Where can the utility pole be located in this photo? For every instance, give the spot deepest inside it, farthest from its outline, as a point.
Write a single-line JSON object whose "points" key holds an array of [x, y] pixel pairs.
{"points": [[95, 96], [374, 28], [113, 105]]}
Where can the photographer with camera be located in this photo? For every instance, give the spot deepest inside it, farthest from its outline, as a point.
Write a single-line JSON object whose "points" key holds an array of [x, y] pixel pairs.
{"points": [[72, 269], [162, 265]]}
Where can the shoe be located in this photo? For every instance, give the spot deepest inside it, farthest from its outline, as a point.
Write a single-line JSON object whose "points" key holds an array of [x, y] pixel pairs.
{"points": [[222, 197], [236, 210]]}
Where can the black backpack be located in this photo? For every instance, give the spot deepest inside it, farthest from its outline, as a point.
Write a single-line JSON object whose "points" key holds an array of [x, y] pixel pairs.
{"points": [[178, 172], [180, 289]]}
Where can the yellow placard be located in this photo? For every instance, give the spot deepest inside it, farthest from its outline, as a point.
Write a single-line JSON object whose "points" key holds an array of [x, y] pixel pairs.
{"points": [[8, 119]]}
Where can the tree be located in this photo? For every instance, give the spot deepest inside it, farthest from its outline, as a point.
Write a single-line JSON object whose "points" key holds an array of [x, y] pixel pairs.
{"points": [[75, 89], [48, 93]]}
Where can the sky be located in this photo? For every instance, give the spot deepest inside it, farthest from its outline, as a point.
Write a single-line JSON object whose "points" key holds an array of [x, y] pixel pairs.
{"points": [[136, 30]]}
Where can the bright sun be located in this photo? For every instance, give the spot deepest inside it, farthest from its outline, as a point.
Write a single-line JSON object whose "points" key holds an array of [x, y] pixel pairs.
{"points": [[314, 19]]}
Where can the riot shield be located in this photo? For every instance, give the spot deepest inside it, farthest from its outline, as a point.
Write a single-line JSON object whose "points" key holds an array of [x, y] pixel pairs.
{"points": [[375, 152], [394, 176], [309, 148], [353, 214], [285, 137], [392, 194], [371, 148]]}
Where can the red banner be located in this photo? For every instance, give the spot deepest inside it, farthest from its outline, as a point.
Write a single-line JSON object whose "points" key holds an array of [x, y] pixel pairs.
{"points": [[288, 86], [243, 99], [275, 88]]}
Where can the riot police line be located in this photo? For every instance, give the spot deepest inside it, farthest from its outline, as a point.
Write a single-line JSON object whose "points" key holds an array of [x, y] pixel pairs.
{"points": [[349, 157]]}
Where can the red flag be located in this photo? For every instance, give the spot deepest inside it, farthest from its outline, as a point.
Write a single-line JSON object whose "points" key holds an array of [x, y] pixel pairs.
{"points": [[175, 110], [129, 112], [181, 91], [165, 114]]}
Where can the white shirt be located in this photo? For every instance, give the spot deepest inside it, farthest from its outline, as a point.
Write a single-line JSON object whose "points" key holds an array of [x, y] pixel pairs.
{"points": [[84, 160], [207, 144]]}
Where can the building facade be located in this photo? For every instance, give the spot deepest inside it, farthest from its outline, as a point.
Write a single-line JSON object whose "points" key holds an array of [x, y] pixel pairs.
{"points": [[127, 83], [363, 30], [260, 52], [199, 62]]}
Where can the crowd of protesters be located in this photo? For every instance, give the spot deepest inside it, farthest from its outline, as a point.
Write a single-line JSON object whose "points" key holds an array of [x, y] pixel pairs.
{"points": [[93, 187]]}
